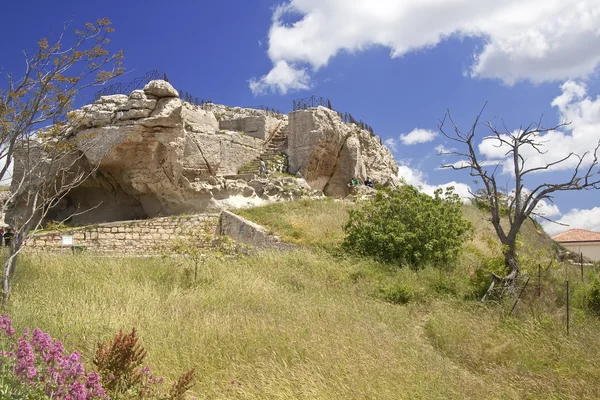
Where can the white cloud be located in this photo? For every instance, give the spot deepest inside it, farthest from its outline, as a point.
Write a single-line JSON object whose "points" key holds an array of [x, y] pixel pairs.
{"points": [[418, 136], [282, 78], [416, 178], [546, 209], [392, 144], [442, 150], [536, 40], [583, 219], [581, 136]]}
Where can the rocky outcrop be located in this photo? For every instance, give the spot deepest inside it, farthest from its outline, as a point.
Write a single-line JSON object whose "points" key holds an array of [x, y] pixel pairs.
{"points": [[151, 149], [329, 153], [156, 155]]}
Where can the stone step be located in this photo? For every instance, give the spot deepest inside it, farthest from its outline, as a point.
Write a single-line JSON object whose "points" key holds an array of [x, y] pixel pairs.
{"points": [[245, 177]]}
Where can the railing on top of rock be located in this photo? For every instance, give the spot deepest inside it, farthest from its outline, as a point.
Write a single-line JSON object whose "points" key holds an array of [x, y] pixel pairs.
{"points": [[269, 110], [128, 87], [316, 101], [185, 96], [140, 82]]}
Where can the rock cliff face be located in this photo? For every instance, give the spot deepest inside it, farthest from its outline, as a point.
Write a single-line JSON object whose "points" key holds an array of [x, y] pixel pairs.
{"points": [[329, 153], [157, 155]]}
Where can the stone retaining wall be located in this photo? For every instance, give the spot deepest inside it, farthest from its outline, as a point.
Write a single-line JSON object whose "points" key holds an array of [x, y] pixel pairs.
{"points": [[243, 231], [141, 237]]}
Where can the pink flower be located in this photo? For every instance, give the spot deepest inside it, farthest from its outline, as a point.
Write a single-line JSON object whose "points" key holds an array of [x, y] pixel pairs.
{"points": [[25, 367], [6, 325]]}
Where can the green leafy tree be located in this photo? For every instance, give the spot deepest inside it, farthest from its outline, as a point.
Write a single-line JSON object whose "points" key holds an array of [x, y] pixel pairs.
{"points": [[405, 226]]}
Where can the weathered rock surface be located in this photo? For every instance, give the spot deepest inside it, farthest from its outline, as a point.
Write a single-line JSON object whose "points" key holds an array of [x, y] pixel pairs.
{"points": [[160, 88], [329, 153], [157, 155]]}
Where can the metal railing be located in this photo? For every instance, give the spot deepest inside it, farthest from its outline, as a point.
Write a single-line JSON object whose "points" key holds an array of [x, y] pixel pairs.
{"points": [[269, 110], [128, 87], [316, 101], [310, 102], [185, 96], [140, 82]]}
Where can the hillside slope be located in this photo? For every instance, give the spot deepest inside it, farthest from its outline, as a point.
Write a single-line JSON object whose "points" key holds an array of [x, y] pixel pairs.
{"points": [[315, 324]]}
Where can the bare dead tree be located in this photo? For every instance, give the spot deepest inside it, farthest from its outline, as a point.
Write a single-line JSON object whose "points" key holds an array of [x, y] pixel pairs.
{"points": [[46, 170], [520, 203], [50, 165]]}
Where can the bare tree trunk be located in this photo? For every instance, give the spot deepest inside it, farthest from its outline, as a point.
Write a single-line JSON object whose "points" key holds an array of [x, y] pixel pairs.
{"points": [[511, 262], [9, 269], [506, 283]]}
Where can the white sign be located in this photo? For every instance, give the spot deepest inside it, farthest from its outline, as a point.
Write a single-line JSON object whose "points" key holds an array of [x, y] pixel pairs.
{"points": [[67, 240]]}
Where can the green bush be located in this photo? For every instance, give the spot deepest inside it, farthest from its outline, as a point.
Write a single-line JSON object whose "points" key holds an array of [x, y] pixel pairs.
{"points": [[405, 226], [592, 297], [444, 286], [396, 294], [480, 280]]}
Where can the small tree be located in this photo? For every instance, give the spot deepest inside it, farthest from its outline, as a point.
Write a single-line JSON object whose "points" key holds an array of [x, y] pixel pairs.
{"points": [[194, 247], [521, 202], [406, 226], [200, 244], [49, 164]]}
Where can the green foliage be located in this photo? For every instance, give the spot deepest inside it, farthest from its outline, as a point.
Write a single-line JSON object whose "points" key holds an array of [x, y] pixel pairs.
{"points": [[592, 297], [396, 293], [481, 201], [55, 226], [444, 286], [479, 281], [405, 226], [200, 244]]}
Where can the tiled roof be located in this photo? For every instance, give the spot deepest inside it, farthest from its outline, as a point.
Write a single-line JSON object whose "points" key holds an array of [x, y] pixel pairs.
{"points": [[577, 235]]}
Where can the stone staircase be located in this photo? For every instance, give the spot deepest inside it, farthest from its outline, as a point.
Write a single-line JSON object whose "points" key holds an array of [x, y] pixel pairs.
{"points": [[277, 146]]}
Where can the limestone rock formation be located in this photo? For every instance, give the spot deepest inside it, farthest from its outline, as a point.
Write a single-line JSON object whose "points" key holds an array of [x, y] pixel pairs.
{"points": [[156, 155], [329, 153]]}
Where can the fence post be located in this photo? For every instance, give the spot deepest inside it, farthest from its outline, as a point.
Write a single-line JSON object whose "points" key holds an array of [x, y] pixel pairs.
{"points": [[520, 294], [581, 264], [539, 280], [568, 308]]}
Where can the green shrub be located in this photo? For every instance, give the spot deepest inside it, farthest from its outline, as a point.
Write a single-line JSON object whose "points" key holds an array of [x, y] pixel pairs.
{"points": [[396, 294], [405, 226], [592, 297], [444, 286], [479, 281]]}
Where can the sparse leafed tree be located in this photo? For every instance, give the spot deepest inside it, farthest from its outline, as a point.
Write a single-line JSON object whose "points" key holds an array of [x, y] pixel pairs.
{"points": [[198, 245], [33, 115], [521, 202]]}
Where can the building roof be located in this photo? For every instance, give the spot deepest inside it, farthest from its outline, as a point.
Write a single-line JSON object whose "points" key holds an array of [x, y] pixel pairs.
{"points": [[577, 235]]}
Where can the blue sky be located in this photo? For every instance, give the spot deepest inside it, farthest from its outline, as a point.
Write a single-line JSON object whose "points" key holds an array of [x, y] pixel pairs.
{"points": [[397, 65]]}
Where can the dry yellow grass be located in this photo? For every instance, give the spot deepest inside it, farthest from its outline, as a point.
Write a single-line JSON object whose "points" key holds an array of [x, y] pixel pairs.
{"points": [[308, 324]]}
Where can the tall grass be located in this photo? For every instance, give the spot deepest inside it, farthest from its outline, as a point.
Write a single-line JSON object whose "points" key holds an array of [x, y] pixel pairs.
{"points": [[311, 323], [313, 223]]}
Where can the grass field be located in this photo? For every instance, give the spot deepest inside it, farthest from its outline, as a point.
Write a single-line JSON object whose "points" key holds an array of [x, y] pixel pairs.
{"points": [[315, 324]]}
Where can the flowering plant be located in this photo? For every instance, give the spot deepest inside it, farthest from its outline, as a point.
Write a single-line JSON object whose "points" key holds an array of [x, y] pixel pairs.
{"points": [[34, 366]]}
